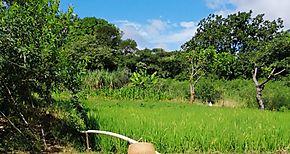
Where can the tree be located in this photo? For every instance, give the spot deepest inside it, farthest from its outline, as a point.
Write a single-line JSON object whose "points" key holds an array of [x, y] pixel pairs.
{"points": [[170, 65], [128, 46], [166, 64], [224, 66], [97, 42], [141, 59], [236, 34], [33, 62], [273, 59], [254, 43], [200, 62]]}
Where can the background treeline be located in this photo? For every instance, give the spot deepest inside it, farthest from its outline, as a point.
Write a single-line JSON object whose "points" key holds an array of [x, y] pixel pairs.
{"points": [[44, 51], [237, 47]]}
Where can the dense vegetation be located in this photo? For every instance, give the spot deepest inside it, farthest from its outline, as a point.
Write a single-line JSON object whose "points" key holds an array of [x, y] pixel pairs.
{"points": [[236, 61]]}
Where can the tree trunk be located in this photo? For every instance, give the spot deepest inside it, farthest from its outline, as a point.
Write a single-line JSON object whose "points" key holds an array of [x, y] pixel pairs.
{"points": [[191, 85], [192, 93], [260, 86], [194, 72], [259, 89]]}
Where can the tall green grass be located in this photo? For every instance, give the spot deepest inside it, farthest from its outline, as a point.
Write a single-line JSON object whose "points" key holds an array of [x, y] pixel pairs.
{"points": [[161, 91], [276, 93], [185, 128], [103, 79], [237, 92]]}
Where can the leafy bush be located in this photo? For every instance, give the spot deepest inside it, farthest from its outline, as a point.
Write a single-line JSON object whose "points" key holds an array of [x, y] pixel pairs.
{"points": [[103, 79], [164, 89], [239, 90], [33, 64], [206, 91], [277, 101], [143, 80]]}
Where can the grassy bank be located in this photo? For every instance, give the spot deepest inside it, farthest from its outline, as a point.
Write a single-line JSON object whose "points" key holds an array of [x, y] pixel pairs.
{"points": [[187, 128]]}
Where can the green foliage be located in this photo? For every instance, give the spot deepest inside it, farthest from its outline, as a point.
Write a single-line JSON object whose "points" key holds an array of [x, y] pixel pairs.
{"points": [[134, 93], [117, 84], [166, 64], [163, 90], [238, 34], [19, 2], [185, 128], [277, 96], [128, 46], [33, 64], [106, 34], [95, 42], [143, 80], [201, 61], [196, 63], [275, 54], [44, 50], [224, 65], [106, 80], [241, 92], [206, 91], [259, 48], [33, 60], [60, 123]]}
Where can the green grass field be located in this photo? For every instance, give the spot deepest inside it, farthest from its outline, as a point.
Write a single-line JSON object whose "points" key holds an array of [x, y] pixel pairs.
{"points": [[187, 128]]}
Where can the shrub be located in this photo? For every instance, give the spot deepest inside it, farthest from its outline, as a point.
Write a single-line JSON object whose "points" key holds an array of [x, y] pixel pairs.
{"points": [[143, 80], [206, 91], [33, 64], [104, 79]]}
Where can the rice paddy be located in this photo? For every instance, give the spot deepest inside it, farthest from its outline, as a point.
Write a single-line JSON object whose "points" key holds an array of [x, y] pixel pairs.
{"points": [[188, 128]]}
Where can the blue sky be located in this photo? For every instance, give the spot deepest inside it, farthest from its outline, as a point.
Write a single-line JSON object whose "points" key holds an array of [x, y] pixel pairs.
{"points": [[168, 23]]}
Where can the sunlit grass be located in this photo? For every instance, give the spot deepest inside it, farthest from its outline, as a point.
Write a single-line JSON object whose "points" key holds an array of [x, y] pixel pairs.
{"points": [[181, 128]]}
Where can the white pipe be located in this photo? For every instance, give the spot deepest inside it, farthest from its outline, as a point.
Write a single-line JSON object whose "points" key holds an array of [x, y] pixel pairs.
{"points": [[131, 141]]}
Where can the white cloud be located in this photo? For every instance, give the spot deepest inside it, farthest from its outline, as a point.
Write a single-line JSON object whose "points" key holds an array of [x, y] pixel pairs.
{"points": [[158, 24], [157, 33], [179, 37], [189, 24], [216, 4], [272, 9], [133, 31]]}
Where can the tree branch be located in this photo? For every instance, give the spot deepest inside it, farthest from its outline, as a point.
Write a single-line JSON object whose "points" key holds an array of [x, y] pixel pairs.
{"points": [[255, 75], [22, 117], [43, 137], [267, 80], [269, 77], [192, 70], [279, 72], [195, 82], [11, 123], [272, 72], [272, 75]]}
